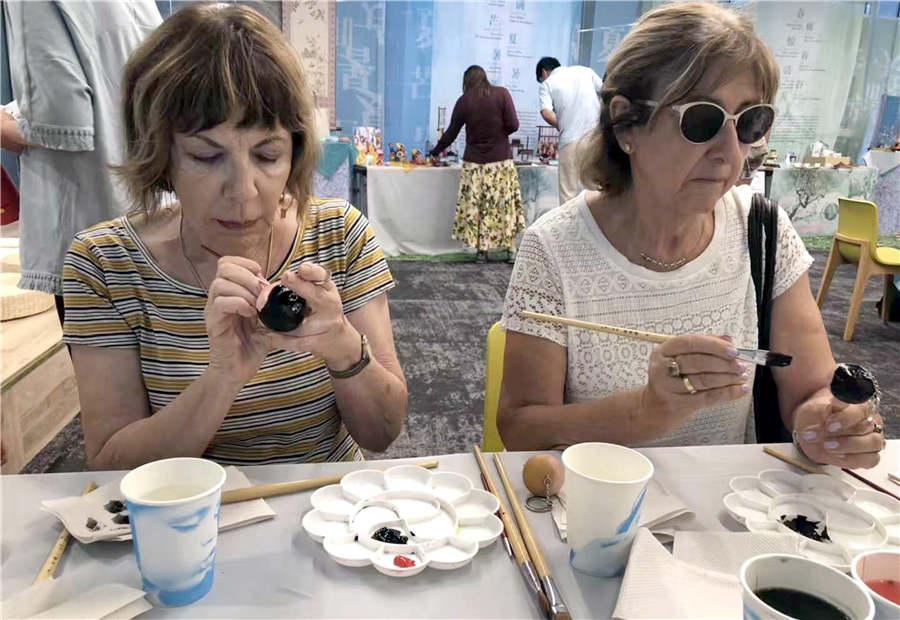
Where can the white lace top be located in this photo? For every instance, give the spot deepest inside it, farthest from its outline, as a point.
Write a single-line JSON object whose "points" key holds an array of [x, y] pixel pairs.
{"points": [[566, 266]]}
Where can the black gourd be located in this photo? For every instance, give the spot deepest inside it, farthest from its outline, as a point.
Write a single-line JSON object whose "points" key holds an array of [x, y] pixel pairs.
{"points": [[284, 309]]}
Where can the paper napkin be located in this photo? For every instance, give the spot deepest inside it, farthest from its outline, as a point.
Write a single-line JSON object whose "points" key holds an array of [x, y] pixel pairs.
{"points": [[56, 599]]}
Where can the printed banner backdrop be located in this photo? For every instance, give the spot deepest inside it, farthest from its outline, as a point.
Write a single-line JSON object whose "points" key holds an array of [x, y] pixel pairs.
{"points": [[507, 38], [815, 44], [360, 65], [310, 27]]}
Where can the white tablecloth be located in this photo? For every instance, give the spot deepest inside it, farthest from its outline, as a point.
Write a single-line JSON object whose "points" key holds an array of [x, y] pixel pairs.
{"points": [[412, 209], [273, 569]]}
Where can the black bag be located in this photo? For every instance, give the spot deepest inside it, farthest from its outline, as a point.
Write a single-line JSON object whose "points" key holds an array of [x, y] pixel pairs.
{"points": [[764, 219]]}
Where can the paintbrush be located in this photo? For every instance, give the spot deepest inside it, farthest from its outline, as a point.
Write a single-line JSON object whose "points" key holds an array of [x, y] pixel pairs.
{"points": [[760, 357]]}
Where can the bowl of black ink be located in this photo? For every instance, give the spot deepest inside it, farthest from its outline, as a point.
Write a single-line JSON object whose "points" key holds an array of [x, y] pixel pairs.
{"points": [[789, 587]]}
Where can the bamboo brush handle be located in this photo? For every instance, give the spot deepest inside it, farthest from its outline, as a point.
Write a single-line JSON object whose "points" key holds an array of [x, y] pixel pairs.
{"points": [[598, 327], [512, 532], [537, 557], [58, 549], [262, 491]]}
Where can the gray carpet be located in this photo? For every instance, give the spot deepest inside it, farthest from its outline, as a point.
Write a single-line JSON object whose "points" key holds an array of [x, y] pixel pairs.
{"points": [[441, 313]]}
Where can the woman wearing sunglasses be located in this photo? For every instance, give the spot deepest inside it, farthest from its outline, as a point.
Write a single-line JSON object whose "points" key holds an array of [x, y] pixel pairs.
{"points": [[662, 247]]}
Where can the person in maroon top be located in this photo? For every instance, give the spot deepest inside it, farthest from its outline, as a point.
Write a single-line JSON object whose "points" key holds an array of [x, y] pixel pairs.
{"points": [[489, 208]]}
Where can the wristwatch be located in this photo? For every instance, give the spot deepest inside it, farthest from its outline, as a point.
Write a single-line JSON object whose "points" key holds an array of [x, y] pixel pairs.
{"points": [[365, 358]]}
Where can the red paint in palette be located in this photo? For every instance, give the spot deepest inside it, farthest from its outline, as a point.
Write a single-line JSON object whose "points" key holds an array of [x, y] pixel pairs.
{"points": [[887, 588]]}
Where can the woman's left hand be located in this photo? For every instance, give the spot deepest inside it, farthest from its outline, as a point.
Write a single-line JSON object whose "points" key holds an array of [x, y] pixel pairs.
{"points": [[325, 331], [832, 432]]}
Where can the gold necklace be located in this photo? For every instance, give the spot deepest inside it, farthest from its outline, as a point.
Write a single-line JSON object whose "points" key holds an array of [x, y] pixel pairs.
{"points": [[674, 264]]}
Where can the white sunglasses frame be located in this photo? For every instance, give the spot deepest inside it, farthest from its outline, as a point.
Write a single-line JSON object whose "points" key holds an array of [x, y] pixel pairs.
{"points": [[683, 107]]}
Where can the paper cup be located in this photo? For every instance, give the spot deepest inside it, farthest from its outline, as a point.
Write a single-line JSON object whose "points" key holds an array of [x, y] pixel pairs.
{"points": [[174, 509], [792, 572], [878, 565], [605, 489]]}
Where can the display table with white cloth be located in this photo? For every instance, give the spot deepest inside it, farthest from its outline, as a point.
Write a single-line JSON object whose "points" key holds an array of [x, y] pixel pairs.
{"points": [[273, 569], [412, 208]]}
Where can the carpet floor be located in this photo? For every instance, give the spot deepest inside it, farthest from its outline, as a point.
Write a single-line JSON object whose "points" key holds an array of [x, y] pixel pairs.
{"points": [[441, 313]]}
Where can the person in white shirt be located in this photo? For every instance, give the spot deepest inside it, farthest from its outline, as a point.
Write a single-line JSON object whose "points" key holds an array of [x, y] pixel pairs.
{"points": [[570, 102], [663, 247]]}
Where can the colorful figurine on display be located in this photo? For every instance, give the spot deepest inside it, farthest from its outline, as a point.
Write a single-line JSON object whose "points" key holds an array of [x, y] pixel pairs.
{"points": [[418, 158]]}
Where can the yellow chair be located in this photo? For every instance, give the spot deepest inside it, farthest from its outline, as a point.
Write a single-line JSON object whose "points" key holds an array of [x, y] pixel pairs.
{"points": [[856, 241], [496, 344]]}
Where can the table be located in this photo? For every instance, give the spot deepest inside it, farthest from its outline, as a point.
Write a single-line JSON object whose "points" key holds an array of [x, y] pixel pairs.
{"points": [[273, 569], [412, 208]]}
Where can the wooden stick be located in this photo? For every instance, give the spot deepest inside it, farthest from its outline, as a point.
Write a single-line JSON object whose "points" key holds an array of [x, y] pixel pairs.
{"points": [[791, 460], [520, 553], [58, 549], [558, 609], [598, 327], [261, 491]]}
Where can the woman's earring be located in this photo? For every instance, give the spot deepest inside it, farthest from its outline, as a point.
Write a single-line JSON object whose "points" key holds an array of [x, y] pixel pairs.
{"points": [[626, 148], [283, 206]]}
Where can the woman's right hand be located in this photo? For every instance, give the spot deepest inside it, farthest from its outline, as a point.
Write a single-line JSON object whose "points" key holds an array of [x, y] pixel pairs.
{"points": [[237, 343], [711, 366]]}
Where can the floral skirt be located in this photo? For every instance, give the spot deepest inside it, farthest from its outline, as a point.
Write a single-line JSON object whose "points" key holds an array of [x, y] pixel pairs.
{"points": [[489, 208]]}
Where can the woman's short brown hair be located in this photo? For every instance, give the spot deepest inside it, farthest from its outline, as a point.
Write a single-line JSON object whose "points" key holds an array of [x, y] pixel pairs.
{"points": [[203, 65], [664, 58]]}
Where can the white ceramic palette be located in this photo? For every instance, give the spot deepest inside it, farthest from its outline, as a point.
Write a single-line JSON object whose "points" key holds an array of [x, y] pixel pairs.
{"points": [[445, 520], [856, 519]]}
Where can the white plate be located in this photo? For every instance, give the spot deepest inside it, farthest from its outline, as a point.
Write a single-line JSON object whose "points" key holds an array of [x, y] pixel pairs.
{"points": [[877, 504], [750, 491], [331, 502], [319, 528], [741, 511], [363, 484], [451, 487], [477, 505], [445, 519], [779, 482], [483, 531], [456, 553], [344, 549], [826, 486], [383, 561], [407, 478]]}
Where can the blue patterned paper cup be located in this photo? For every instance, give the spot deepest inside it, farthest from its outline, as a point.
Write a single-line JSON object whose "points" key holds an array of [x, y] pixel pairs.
{"points": [[174, 511], [605, 488]]}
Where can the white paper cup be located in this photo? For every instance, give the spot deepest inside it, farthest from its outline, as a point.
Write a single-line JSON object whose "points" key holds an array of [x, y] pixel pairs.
{"points": [[792, 572], [605, 488], [878, 565], [174, 509]]}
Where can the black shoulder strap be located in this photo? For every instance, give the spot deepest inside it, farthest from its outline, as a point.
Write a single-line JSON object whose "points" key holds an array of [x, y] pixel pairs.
{"points": [[763, 220]]}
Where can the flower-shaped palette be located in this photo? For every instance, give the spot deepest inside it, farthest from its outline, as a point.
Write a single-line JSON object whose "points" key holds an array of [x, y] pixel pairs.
{"points": [[833, 519], [403, 520]]}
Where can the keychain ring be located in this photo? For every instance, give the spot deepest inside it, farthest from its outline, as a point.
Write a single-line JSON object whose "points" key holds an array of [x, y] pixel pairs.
{"points": [[536, 503]]}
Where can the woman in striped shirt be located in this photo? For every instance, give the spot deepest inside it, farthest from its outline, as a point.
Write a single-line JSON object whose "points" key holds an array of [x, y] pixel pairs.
{"points": [[161, 318]]}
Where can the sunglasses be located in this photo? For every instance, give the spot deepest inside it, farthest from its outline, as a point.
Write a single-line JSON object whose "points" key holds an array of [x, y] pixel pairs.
{"points": [[701, 121]]}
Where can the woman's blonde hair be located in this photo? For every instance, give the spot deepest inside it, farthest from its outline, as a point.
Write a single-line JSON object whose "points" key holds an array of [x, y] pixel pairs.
{"points": [[665, 57], [203, 65]]}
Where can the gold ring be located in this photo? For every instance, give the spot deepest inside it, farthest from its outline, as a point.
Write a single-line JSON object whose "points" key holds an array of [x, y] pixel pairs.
{"points": [[673, 369], [688, 385], [877, 428]]}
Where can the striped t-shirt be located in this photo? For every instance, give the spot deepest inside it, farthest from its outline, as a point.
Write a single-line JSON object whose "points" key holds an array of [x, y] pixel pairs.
{"points": [[117, 296]]}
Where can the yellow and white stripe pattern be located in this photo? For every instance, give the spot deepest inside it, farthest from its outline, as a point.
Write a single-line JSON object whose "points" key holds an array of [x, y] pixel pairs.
{"points": [[117, 296]]}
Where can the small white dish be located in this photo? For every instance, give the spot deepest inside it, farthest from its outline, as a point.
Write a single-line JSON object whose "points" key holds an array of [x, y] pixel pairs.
{"points": [[413, 506], [743, 512], [407, 478], [451, 487], [319, 528], [483, 531], [750, 491], [345, 550], [779, 482], [454, 553], [383, 561], [878, 504], [363, 484], [331, 502], [365, 516], [476, 506], [826, 486]]}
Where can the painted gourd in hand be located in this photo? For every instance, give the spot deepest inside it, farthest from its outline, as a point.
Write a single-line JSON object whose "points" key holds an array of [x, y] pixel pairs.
{"points": [[280, 309]]}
